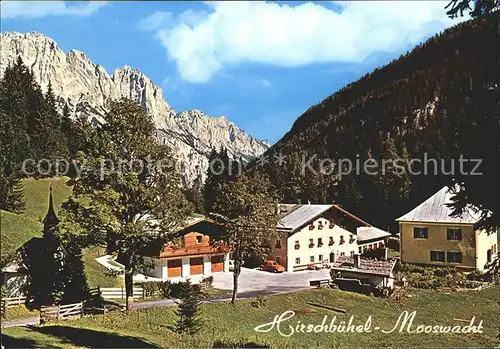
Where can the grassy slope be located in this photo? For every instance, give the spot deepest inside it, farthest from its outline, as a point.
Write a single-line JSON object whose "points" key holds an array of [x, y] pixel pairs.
{"points": [[150, 327], [16, 229]]}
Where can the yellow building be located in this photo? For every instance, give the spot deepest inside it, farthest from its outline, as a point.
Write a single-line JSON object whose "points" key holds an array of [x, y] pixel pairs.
{"points": [[430, 235]]}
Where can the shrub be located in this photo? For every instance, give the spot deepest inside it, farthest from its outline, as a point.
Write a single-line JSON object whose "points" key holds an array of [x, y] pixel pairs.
{"points": [[476, 275], [152, 288], [258, 302], [208, 281], [179, 290]]}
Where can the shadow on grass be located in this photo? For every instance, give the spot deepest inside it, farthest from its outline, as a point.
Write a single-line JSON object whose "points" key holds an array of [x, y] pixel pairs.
{"points": [[12, 342], [83, 337]]}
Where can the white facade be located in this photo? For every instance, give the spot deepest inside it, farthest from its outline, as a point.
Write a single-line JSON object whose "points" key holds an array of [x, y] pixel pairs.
{"points": [[485, 242], [160, 269], [299, 258]]}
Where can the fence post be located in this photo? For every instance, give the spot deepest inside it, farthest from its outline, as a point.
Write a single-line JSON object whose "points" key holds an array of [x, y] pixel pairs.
{"points": [[19, 299], [143, 293], [58, 311], [5, 307], [122, 292], [98, 291], [82, 310]]}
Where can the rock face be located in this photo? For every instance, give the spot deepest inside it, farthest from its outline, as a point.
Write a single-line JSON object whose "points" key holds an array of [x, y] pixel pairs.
{"points": [[87, 88]]}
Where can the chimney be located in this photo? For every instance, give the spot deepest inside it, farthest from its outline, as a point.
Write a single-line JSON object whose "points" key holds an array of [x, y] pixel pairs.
{"points": [[357, 261], [385, 253]]}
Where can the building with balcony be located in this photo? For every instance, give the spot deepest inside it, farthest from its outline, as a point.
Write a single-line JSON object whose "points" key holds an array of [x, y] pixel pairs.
{"points": [[314, 234], [195, 259]]}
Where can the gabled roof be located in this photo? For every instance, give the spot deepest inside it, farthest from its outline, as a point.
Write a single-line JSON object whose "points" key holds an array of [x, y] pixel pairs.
{"points": [[303, 214], [370, 233], [434, 209], [359, 220]]}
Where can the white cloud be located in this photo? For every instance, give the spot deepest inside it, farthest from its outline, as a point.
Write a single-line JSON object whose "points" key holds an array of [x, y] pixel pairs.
{"points": [[155, 21], [37, 9], [203, 43]]}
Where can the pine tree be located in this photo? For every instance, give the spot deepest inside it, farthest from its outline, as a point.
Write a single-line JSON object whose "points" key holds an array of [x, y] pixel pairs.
{"points": [[219, 172], [14, 140], [189, 310]]}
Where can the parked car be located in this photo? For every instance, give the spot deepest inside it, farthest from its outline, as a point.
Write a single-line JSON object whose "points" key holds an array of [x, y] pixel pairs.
{"points": [[272, 266]]}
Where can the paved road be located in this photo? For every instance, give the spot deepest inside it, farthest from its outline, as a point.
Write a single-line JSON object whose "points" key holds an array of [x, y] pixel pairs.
{"points": [[35, 320], [256, 280], [252, 283]]}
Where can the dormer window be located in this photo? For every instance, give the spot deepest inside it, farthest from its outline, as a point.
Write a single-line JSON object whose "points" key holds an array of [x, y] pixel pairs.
{"points": [[198, 239]]}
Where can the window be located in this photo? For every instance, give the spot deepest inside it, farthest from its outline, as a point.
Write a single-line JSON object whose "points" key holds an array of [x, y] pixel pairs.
{"points": [[352, 253], [320, 225], [297, 244], [351, 239], [341, 239], [311, 243], [454, 234], [437, 256], [454, 257], [311, 226], [380, 244], [320, 242], [277, 244], [342, 254], [311, 259], [297, 261], [278, 259], [420, 233], [359, 250], [198, 239], [331, 242], [320, 258]]}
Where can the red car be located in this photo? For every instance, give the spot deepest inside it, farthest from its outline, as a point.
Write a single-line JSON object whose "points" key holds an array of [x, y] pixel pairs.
{"points": [[272, 266]]}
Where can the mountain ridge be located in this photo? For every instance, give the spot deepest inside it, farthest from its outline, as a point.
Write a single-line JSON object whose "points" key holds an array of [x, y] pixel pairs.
{"points": [[86, 87]]}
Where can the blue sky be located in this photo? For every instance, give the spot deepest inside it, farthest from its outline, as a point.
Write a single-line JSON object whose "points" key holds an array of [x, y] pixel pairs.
{"points": [[260, 64]]}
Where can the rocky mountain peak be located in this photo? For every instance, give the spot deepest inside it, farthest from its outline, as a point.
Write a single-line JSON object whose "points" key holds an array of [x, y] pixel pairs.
{"points": [[87, 88]]}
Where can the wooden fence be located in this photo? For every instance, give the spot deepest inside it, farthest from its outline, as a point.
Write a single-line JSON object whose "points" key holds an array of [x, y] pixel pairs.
{"points": [[10, 302], [117, 292], [61, 312]]}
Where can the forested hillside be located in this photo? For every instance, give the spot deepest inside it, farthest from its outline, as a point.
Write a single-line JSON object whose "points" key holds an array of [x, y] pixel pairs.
{"points": [[440, 100]]}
